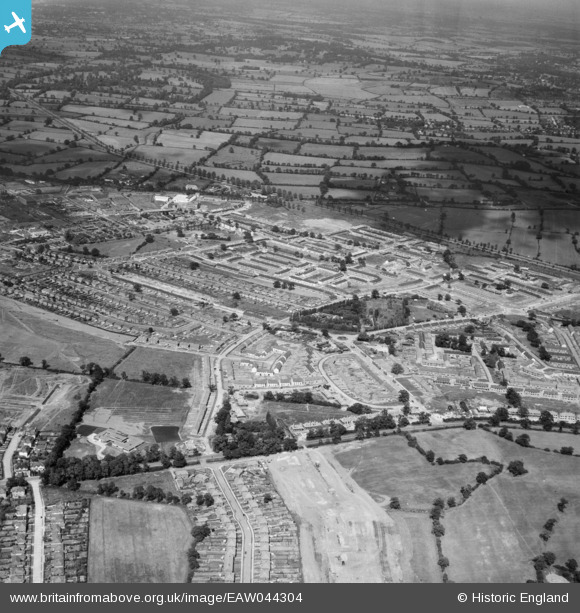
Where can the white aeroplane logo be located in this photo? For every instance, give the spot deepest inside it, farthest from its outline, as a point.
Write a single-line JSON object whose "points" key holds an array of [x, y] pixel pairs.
{"points": [[17, 22]]}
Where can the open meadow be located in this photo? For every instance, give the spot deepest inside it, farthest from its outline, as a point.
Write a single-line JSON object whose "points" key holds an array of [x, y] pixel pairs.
{"points": [[387, 467], [496, 533]]}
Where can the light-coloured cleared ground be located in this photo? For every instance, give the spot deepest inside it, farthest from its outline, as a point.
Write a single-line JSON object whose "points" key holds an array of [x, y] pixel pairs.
{"points": [[345, 537]]}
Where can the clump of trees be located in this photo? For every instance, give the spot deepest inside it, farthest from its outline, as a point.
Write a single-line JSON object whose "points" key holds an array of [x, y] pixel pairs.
{"points": [[299, 397], [155, 378], [457, 343], [199, 534], [248, 438], [516, 468], [68, 470], [366, 427]]}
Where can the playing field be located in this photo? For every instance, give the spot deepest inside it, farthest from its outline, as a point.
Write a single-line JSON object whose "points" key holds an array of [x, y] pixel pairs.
{"points": [[387, 467], [137, 542]]}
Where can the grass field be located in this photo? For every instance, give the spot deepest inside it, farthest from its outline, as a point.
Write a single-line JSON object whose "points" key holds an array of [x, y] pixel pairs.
{"points": [[137, 542], [24, 334], [420, 549], [171, 363], [495, 534], [387, 467]]}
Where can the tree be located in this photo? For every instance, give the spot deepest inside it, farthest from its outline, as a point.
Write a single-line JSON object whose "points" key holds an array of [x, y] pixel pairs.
{"points": [[25, 361], [395, 503], [469, 424], [481, 478], [397, 369], [430, 456], [424, 419], [562, 504], [546, 420], [438, 530], [236, 296], [200, 532], [174, 312], [404, 396], [523, 440], [185, 382], [267, 498], [567, 450], [516, 468], [513, 397], [208, 499], [179, 460], [502, 413], [45, 364]]}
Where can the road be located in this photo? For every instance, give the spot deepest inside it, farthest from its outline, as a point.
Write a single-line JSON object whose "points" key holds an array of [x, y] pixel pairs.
{"points": [[10, 450], [247, 570], [38, 543], [204, 427]]}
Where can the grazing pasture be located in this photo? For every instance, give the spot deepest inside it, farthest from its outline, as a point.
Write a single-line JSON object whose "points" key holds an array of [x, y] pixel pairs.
{"points": [[387, 467], [170, 363]]}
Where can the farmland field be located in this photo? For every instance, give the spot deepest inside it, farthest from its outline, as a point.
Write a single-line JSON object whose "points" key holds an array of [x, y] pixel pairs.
{"points": [[137, 542], [388, 467], [495, 534], [135, 407], [170, 363]]}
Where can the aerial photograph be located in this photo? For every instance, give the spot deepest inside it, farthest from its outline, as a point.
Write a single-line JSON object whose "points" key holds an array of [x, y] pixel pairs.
{"points": [[290, 292]]}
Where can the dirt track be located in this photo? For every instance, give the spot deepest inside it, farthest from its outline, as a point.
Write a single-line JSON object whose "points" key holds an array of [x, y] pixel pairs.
{"points": [[339, 522]]}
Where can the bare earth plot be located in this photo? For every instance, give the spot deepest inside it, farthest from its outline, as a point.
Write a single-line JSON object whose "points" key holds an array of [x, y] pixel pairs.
{"points": [[136, 542], [54, 397], [344, 536]]}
